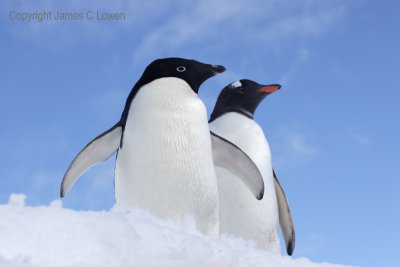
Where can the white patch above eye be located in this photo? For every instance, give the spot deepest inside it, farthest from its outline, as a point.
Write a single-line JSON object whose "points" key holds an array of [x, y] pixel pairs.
{"points": [[181, 68], [236, 84]]}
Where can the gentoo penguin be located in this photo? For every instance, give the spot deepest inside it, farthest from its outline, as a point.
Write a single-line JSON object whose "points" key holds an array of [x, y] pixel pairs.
{"points": [[164, 160], [240, 213]]}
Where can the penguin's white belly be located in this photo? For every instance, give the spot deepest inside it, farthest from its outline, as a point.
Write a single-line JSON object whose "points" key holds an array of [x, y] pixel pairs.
{"points": [[240, 213], [165, 163]]}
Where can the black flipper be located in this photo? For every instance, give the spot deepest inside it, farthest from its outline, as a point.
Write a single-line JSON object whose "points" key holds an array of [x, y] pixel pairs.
{"points": [[98, 150], [285, 216], [232, 158]]}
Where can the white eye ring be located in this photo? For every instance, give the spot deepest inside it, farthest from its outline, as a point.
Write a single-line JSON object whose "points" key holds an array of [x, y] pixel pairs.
{"points": [[181, 68]]}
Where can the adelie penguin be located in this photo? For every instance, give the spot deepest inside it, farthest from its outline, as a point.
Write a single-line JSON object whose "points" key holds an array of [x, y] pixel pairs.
{"points": [[240, 214], [165, 161]]}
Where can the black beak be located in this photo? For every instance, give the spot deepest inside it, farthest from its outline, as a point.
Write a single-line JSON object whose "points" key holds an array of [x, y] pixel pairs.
{"points": [[217, 69]]}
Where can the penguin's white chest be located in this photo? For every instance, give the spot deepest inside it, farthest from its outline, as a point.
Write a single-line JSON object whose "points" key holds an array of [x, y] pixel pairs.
{"points": [[240, 213], [165, 163]]}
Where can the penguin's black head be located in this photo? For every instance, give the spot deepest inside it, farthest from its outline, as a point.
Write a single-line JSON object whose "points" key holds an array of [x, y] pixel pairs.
{"points": [[242, 96], [189, 70]]}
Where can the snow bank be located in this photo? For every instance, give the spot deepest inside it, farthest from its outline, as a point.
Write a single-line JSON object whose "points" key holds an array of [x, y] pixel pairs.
{"points": [[54, 236]]}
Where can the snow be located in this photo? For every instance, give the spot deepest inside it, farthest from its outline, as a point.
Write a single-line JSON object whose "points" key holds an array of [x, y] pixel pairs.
{"points": [[56, 236]]}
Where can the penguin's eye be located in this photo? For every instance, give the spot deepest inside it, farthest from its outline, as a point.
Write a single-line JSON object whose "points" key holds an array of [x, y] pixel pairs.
{"points": [[240, 89], [181, 68]]}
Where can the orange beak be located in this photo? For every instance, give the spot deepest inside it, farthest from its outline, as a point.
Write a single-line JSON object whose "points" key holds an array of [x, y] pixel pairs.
{"points": [[270, 88]]}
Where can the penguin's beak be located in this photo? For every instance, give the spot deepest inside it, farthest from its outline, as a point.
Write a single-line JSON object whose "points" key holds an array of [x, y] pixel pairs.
{"points": [[269, 88], [217, 69]]}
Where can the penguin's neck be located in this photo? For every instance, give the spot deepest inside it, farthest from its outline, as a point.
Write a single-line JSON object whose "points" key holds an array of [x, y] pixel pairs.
{"points": [[168, 113], [165, 94]]}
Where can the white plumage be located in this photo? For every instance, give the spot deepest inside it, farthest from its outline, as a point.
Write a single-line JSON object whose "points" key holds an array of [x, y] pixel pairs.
{"points": [[240, 213], [165, 163]]}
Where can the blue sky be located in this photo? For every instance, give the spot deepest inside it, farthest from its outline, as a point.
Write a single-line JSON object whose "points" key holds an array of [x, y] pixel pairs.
{"points": [[332, 127]]}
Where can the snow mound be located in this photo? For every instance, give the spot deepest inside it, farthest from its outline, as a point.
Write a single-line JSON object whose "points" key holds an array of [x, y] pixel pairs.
{"points": [[55, 236]]}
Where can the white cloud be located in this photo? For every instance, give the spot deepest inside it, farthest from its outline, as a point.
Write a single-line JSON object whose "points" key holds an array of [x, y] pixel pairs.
{"points": [[302, 56], [360, 138], [292, 146], [297, 142], [168, 26], [160, 28], [220, 22]]}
